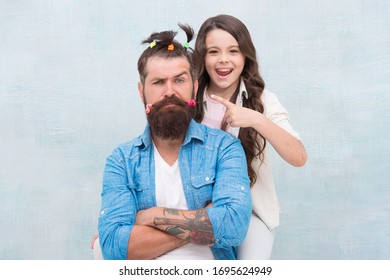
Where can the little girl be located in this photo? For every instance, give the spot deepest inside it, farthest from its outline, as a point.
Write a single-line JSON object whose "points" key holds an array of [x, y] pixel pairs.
{"points": [[232, 96]]}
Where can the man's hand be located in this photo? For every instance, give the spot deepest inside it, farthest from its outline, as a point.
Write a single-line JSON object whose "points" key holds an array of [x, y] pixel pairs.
{"points": [[145, 217], [190, 225]]}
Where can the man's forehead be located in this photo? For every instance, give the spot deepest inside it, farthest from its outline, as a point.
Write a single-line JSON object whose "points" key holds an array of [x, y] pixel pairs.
{"points": [[167, 67]]}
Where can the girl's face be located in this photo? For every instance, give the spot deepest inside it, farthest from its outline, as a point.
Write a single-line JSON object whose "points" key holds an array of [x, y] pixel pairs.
{"points": [[224, 62]]}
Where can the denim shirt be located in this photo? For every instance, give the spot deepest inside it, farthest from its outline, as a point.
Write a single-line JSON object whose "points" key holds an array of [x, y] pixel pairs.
{"points": [[213, 169]]}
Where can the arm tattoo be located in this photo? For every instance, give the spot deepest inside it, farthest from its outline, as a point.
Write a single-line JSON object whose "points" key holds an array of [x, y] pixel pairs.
{"points": [[171, 211], [194, 227]]}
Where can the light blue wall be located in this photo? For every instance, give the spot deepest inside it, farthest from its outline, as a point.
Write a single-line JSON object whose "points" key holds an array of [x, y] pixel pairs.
{"points": [[68, 96]]}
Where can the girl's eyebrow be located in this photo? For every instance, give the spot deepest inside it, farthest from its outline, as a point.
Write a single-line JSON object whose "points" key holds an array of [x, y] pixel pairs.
{"points": [[215, 47]]}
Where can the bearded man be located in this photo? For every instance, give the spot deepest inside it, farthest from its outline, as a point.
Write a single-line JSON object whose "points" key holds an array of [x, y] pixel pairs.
{"points": [[180, 190]]}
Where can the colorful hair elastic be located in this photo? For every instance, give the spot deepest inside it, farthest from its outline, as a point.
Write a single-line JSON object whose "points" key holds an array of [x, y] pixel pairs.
{"points": [[171, 47], [186, 45], [148, 107], [152, 44], [191, 103]]}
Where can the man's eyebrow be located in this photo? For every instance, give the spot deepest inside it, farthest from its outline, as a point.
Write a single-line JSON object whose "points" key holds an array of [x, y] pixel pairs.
{"points": [[159, 79], [165, 78], [181, 74]]}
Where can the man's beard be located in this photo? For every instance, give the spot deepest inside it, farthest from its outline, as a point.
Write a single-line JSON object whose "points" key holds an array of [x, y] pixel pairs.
{"points": [[170, 122]]}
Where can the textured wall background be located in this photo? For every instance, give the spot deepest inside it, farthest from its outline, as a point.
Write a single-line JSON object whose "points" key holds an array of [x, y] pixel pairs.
{"points": [[68, 96]]}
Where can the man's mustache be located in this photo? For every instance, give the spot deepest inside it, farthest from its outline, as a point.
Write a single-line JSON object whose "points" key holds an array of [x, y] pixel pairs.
{"points": [[170, 100]]}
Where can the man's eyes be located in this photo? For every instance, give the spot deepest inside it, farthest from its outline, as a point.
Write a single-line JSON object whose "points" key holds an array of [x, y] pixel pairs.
{"points": [[161, 82]]}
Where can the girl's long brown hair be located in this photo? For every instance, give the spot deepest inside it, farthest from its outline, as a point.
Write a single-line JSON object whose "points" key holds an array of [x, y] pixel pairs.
{"points": [[252, 141]]}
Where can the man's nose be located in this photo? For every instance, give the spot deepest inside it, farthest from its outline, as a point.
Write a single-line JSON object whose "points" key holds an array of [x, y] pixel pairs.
{"points": [[170, 89]]}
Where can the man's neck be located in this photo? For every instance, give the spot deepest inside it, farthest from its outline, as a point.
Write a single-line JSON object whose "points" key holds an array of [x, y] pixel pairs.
{"points": [[168, 148]]}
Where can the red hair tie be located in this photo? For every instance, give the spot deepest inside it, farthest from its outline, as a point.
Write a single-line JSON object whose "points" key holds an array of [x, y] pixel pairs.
{"points": [[191, 103]]}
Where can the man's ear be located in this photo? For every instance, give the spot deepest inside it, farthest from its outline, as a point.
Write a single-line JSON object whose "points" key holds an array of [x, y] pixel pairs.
{"points": [[141, 91]]}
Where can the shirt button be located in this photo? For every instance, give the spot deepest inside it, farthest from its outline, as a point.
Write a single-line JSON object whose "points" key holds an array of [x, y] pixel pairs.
{"points": [[207, 179], [242, 188], [102, 212]]}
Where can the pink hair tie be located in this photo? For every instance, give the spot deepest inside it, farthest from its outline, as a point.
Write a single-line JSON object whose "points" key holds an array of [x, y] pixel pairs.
{"points": [[191, 103], [148, 107]]}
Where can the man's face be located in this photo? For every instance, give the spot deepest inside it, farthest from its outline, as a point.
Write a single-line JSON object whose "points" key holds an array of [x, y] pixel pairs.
{"points": [[168, 86], [166, 77]]}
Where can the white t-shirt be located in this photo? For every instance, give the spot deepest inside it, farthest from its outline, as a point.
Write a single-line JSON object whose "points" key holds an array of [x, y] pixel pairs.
{"points": [[170, 194]]}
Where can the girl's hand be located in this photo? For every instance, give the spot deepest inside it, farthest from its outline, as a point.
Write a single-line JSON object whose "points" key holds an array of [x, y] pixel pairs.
{"points": [[288, 147], [94, 240], [237, 116]]}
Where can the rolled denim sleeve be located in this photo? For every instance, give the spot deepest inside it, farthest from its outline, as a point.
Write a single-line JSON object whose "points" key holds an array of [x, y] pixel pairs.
{"points": [[118, 211], [231, 198]]}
